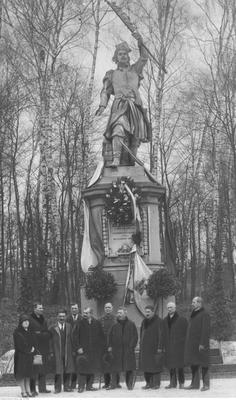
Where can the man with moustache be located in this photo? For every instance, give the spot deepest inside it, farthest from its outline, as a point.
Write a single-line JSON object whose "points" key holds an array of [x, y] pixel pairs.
{"points": [[107, 321], [89, 345], [197, 345], [122, 341], [173, 342], [128, 121], [150, 337]]}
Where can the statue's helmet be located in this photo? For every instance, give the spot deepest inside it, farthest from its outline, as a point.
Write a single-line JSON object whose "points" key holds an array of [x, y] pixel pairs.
{"points": [[121, 46]]}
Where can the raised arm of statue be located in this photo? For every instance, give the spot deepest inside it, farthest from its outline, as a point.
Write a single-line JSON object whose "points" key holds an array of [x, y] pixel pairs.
{"points": [[143, 58]]}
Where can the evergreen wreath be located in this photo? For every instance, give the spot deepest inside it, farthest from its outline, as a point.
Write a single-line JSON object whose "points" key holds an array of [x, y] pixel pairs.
{"points": [[100, 285], [162, 284], [118, 203]]}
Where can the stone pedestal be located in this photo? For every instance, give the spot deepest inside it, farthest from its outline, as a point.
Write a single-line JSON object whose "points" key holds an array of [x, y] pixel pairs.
{"points": [[116, 240]]}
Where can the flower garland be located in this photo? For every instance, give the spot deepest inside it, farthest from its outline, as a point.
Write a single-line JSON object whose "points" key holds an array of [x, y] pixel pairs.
{"points": [[118, 202]]}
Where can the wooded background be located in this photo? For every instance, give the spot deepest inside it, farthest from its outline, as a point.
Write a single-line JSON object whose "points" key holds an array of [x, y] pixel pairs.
{"points": [[50, 140]]}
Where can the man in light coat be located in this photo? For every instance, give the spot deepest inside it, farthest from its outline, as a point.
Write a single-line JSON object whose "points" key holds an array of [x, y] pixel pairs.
{"points": [[61, 347]]}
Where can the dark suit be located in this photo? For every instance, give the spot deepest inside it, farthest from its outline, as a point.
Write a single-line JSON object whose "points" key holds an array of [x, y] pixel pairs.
{"points": [[198, 334], [74, 322], [90, 337], [38, 327], [123, 338], [107, 321], [173, 342]]}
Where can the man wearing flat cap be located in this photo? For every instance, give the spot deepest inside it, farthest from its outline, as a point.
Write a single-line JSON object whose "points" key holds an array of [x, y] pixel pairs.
{"points": [[128, 121]]}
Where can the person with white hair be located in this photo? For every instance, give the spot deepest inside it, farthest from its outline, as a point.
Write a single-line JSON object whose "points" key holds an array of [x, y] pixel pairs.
{"points": [[197, 346], [173, 342]]}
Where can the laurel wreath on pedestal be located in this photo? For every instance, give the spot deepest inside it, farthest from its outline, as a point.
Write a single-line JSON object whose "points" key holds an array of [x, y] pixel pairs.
{"points": [[118, 202]]}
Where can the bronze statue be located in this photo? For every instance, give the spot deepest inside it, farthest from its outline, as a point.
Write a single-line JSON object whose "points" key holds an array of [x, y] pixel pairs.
{"points": [[127, 122]]}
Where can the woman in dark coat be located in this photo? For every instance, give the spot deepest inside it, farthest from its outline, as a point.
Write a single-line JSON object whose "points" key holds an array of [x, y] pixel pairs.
{"points": [[122, 341], [173, 342], [197, 346], [150, 336], [23, 358]]}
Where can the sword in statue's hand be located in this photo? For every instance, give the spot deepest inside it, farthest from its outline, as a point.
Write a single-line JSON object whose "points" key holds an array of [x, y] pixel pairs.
{"points": [[133, 29]]}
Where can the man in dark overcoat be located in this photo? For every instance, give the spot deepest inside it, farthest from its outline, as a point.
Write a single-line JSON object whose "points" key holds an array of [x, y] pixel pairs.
{"points": [[89, 344], [107, 321], [150, 336], [173, 343], [197, 346], [38, 326], [62, 349], [122, 340], [74, 319]]}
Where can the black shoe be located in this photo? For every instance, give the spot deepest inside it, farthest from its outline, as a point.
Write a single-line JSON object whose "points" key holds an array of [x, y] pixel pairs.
{"points": [[119, 386], [147, 386], [204, 388], [91, 389], [191, 387], [34, 393], [80, 390], [155, 387], [45, 391], [105, 386], [68, 389], [170, 387], [57, 391]]}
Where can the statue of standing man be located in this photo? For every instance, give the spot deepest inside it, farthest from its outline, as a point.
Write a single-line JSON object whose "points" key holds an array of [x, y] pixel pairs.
{"points": [[127, 122]]}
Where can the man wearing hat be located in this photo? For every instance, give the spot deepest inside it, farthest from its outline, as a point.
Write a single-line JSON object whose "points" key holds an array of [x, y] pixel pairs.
{"points": [[128, 121], [150, 349]]}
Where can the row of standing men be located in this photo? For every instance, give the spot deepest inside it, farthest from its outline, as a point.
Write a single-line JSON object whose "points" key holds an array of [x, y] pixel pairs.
{"points": [[79, 347]]}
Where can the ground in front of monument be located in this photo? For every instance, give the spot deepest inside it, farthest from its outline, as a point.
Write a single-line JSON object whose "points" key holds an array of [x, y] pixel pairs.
{"points": [[220, 388]]}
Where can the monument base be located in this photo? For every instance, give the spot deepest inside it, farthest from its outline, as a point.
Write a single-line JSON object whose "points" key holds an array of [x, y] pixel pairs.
{"points": [[116, 238]]}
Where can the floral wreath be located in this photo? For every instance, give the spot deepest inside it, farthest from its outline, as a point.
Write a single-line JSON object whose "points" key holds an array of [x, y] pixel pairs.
{"points": [[118, 202]]}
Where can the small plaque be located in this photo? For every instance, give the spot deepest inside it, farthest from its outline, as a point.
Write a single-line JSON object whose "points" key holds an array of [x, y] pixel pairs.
{"points": [[120, 239]]}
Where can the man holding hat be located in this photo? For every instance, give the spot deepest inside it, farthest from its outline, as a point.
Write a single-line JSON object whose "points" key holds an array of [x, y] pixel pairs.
{"points": [[89, 345], [128, 121]]}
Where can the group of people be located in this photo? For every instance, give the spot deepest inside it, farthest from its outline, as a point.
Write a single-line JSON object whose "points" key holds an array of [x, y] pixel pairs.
{"points": [[81, 346]]}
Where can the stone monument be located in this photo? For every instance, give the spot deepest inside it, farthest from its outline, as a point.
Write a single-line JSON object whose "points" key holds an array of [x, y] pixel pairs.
{"points": [[122, 179]]}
